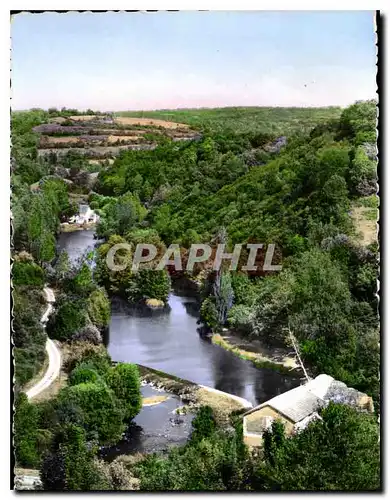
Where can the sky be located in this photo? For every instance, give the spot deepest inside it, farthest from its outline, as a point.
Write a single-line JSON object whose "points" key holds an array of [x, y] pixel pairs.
{"points": [[163, 60]]}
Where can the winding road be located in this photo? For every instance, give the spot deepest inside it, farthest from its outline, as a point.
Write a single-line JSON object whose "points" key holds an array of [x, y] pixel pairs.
{"points": [[54, 354]]}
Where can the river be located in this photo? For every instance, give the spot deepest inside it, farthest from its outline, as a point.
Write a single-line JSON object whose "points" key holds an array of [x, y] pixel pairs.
{"points": [[169, 341]]}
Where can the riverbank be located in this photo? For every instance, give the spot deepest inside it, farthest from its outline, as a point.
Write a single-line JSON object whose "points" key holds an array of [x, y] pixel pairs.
{"points": [[277, 359], [193, 395]]}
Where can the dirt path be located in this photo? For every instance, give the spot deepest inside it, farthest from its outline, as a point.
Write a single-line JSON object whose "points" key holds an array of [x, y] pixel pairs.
{"points": [[53, 353]]}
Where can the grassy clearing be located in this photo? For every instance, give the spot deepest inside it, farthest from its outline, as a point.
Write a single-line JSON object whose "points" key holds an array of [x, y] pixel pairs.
{"points": [[365, 220], [126, 120], [52, 140], [222, 406], [83, 118], [287, 365]]}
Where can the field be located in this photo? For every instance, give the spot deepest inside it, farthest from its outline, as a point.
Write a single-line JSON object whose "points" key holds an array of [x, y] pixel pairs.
{"points": [[104, 136], [125, 120], [252, 119]]}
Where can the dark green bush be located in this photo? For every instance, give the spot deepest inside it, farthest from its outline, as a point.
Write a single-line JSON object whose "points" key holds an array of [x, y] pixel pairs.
{"points": [[67, 319], [102, 414], [124, 380], [26, 432], [27, 273]]}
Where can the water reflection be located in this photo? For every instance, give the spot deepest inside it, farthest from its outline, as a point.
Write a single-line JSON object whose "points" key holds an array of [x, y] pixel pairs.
{"points": [[168, 340]]}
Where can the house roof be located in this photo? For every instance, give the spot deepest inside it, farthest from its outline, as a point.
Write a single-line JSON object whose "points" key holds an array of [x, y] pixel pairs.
{"points": [[303, 401]]}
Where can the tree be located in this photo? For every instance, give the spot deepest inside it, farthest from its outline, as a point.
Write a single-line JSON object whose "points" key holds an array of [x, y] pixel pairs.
{"points": [[102, 415], [26, 432], [67, 319], [203, 424], [71, 464], [124, 380], [27, 273], [329, 454]]}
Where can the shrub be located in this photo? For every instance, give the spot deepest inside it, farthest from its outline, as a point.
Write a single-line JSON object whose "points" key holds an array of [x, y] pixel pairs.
{"points": [[102, 415], [67, 319], [71, 465], [27, 273], [83, 373], [149, 284], [88, 333], [209, 313], [26, 432], [28, 362], [83, 352], [203, 424], [240, 318], [98, 308], [124, 380]]}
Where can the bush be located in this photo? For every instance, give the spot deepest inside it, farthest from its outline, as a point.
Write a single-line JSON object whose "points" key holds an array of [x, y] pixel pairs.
{"points": [[240, 318], [93, 355], [26, 432], [88, 333], [66, 320], [102, 415], [27, 273], [83, 373], [149, 284], [98, 308], [124, 380], [71, 465], [28, 362], [203, 424], [209, 313]]}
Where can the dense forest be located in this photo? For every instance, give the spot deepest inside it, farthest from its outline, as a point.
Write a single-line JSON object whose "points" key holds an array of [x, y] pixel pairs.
{"points": [[287, 176]]}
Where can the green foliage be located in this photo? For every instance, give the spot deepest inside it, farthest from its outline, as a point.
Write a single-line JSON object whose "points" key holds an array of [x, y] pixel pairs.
{"points": [[27, 273], [99, 308], [96, 357], [83, 373], [102, 416], [218, 462], [358, 121], [70, 466], [120, 215], [67, 319], [203, 424], [149, 284], [209, 313], [28, 335], [253, 120], [328, 455], [25, 432], [124, 380]]}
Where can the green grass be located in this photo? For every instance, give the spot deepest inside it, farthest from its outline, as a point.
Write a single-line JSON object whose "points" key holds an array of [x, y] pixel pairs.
{"points": [[259, 362], [369, 201], [240, 119]]}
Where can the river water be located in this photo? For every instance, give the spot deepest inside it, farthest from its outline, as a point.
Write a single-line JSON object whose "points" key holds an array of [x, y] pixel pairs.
{"points": [[168, 340]]}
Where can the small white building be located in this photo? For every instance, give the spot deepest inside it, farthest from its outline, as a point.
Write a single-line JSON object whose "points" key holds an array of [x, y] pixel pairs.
{"points": [[299, 406], [86, 215]]}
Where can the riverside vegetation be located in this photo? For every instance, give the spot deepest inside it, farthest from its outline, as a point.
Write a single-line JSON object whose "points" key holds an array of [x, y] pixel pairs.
{"points": [[292, 185]]}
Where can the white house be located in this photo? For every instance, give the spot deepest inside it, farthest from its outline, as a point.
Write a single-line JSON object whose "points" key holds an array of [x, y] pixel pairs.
{"points": [[299, 406], [85, 215]]}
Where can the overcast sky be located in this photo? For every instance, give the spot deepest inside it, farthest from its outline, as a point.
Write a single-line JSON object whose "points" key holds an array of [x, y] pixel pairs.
{"points": [[119, 61]]}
